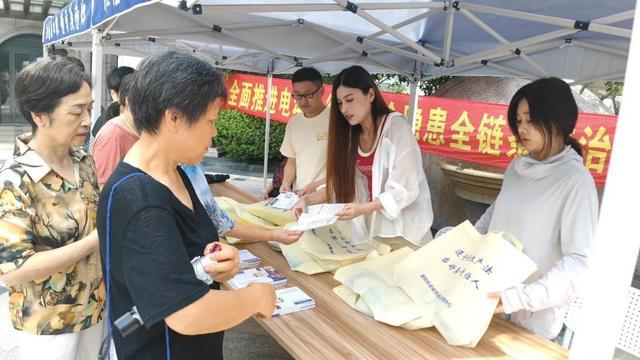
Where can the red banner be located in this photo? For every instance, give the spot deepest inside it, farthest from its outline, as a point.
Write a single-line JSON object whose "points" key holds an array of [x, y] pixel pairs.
{"points": [[467, 130]]}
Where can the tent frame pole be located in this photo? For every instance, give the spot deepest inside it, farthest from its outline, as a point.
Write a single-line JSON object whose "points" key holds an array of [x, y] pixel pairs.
{"points": [[260, 25], [369, 38], [292, 8], [97, 74], [494, 62], [597, 25], [267, 126], [484, 26], [414, 96], [597, 47], [391, 31], [448, 33], [506, 48], [394, 50], [340, 38]]}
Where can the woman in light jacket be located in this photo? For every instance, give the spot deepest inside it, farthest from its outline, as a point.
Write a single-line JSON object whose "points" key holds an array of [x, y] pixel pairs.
{"points": [[374, 165], [548, 200]]}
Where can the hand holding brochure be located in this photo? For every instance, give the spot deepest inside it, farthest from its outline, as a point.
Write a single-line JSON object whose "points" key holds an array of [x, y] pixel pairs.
{"points": [[317, 216], [263, 274], [285, 200]]}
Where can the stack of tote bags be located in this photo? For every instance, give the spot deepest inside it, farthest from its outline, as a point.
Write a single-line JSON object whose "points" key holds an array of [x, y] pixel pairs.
{"points": [[443, 284]]}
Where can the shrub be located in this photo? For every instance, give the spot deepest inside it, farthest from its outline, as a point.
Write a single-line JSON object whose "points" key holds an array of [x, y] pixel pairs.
{"points": [[242, 136]]}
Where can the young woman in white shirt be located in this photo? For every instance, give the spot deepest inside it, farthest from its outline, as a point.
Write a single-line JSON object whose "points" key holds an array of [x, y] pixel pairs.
{"points": [[548, 201], [374, 165]]}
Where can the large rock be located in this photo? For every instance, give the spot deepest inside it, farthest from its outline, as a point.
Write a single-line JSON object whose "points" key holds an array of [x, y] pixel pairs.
{"points": [[500, 90]]}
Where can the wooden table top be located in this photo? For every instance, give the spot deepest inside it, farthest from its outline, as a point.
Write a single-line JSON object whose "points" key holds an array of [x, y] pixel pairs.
{"points": [[333, 330]]}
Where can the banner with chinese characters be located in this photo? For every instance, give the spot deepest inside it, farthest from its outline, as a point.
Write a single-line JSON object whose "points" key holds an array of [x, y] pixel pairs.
{"points": [[106, 9], [73, 19], [467, 130]]}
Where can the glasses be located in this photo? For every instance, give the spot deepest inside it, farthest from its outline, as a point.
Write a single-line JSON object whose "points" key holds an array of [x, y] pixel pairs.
{"points": [[306, 96]]}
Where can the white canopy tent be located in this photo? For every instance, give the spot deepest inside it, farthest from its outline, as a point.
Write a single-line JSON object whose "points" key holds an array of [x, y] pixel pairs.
{"points": [[581, 40], [420, 39], [436, 38]]}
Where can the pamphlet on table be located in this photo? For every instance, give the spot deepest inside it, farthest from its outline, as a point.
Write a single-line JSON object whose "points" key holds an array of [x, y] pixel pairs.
{"points": [[292, 300]]}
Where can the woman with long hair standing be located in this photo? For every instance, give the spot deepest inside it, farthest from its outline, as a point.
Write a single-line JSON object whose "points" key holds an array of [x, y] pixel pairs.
{"points": [[374, 165]]}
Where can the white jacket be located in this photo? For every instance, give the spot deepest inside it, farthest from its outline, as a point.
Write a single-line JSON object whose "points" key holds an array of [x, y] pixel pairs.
{"points": [[398, 181], [551, 206]]}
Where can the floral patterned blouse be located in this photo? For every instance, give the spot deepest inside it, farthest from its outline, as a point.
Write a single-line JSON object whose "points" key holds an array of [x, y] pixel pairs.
{"points": [[40, 211]]}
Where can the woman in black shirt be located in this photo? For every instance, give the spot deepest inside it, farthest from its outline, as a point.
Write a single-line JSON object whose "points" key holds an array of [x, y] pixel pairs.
{"points": [[156, 224]]}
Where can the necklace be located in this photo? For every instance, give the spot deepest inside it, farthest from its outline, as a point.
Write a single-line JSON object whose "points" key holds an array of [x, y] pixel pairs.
{"points": [[131, 127]]}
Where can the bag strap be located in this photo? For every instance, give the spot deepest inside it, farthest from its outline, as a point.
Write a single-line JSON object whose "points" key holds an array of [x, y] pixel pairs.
{"points": [[106, 343]]}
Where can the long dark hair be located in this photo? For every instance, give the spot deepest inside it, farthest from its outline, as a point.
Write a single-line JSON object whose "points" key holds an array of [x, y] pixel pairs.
{"points": [[343, 138], [551, 106]]}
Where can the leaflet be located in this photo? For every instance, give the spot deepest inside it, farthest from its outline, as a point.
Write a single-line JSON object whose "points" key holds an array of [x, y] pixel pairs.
{"points": [[292, 300], [247, 259], [264, 274], [285, 200], [317, 216]]}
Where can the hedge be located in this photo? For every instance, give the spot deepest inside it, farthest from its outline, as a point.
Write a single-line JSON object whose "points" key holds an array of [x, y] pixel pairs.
{"points": [[242, 136]]}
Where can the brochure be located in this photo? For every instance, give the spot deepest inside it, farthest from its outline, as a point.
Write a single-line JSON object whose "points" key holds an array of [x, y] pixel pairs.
{"points": [[263, 274], [292, 300], [317, 216], [247, 259], [285, 200]]}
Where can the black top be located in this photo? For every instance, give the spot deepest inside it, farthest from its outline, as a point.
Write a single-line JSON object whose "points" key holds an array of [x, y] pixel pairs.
{"points": [[153, 238], [109, 113]]}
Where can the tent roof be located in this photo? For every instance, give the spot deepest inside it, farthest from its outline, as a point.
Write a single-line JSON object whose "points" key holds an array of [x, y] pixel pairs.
{"points": [[582, 40]]}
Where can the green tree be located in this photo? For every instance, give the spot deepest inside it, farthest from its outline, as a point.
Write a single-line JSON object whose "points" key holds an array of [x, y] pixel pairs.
{"points": [[606, 90], [242, 135], [400, 83]]}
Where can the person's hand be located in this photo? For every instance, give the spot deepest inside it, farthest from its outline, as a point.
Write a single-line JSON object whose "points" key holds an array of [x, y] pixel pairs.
{"points": [[285, 187], [266, 298], [308, 189], [227, 262], [496, 295], [265, 196], [285, 236], [299, 208], [351, 211]]}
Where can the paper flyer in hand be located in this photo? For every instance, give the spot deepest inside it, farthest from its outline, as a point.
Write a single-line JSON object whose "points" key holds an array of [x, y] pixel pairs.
{"points": [[285, 200], [317, 216], [264, 274], [292, 300]]}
